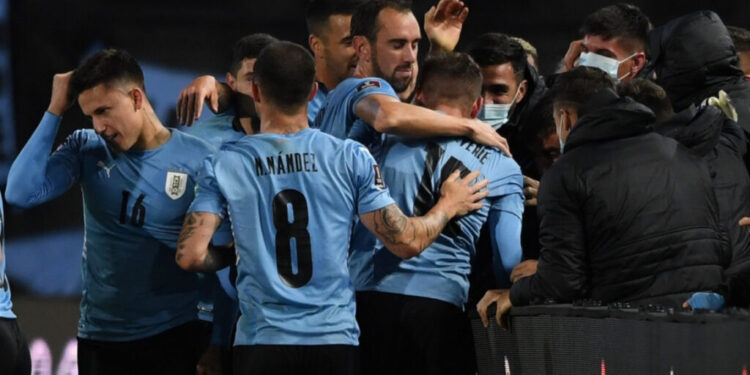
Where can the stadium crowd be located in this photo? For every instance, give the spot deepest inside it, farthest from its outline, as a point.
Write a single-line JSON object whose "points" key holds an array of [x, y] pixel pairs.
{"points": [[359, 201]]}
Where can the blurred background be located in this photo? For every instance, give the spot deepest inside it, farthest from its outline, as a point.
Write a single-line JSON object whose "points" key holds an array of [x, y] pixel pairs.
{"points": [[175, 42]]}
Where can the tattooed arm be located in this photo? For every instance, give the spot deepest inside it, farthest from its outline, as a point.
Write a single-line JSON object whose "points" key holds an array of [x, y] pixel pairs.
{"points": [[194, 249], [407, 237]]}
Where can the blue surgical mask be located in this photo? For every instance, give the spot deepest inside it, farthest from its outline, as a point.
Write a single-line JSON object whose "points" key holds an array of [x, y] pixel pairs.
{"points": [[609, 65], [497, 115]]}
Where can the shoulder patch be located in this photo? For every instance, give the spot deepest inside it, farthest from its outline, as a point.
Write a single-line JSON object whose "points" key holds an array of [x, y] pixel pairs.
{"points": [[378, 181], [367, 84]]}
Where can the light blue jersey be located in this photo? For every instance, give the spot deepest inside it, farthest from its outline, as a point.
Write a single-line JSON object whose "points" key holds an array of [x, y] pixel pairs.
{"points": [[134, 206], [5, 304], [414, 170], [292, 199], [337, 117], [216, 130], [314, 106]]}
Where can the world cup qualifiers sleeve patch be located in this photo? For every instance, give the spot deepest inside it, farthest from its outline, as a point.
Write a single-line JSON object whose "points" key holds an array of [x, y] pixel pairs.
{"points": [[379, 183], [367, 84]]}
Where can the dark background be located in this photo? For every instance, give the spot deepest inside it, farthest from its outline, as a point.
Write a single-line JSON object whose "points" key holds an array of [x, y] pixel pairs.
{"points": [[194, 37]]}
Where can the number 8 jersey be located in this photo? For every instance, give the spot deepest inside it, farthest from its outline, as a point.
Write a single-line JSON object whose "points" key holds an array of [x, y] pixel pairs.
{"points": [[292, 199]]}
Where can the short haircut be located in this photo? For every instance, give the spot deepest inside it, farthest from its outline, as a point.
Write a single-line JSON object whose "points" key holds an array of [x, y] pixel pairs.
{"points": [[318, 12], [285, 73], [497, 49], [528, 48], [108, 67], [624, 21], [649, 94], [576, 87], [451, 77], [248, 47], [740, 38], [540, 123], [365, 18]]}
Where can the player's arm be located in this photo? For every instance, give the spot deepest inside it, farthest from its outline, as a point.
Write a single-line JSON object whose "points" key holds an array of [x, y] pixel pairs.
{"points": [[505, 235], [443, 23], [387, 114], [36, 176], [202, 89], [407, 237], [194, 249]]}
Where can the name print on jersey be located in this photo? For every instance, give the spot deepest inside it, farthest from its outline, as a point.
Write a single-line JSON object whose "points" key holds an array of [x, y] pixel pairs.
{"points": [[285, 163]]}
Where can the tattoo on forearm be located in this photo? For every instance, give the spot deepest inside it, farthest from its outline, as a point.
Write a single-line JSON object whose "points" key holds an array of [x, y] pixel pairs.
{"points": [[397, 229], [192, 221]]}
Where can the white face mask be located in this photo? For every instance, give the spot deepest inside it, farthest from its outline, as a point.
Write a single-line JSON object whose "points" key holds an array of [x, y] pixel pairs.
{"points": [[609, 65], [497, 115], [559, 133]]}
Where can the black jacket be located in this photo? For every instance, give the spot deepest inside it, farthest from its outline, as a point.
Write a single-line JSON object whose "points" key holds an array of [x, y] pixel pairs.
{"points": [[626, 215], [693, 58], [721, 143]]}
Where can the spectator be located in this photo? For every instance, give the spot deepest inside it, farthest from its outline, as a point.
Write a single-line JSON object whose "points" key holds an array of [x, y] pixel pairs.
{"points": [[626, 214], [741, 40]]}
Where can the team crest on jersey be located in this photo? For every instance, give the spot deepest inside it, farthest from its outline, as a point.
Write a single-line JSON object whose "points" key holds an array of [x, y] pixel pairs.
{"points": [[379, 183], [176, 184], [368, 84]]}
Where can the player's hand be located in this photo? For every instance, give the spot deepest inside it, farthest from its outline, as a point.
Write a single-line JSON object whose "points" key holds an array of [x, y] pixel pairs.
{"points": [[460, 195], [210, 362], [530, 190], [501, 297], [442, 24], [523, 269], [745, 222], [190, 102], [60, 100], [570, 61], [483, 133]]}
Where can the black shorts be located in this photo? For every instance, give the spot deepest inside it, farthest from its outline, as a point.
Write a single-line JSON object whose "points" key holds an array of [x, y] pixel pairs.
{"points": [[296, 359], [14, 351], [175, 351], [413, 335]]}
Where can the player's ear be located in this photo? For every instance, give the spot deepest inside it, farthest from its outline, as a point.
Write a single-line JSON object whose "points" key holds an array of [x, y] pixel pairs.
{"points": [[316, 45], [255, 89], [313, 91], [419, 97], [362, 47], [137, 95], [477, 106], [522, 89], [230, 80]]}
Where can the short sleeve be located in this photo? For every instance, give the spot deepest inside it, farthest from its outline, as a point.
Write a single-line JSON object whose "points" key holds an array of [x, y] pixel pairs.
{"points": [[366, 87], [372, 193], [208, 197]]}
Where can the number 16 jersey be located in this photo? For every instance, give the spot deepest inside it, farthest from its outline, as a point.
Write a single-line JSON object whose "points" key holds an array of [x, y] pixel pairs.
{"points": [[292, 199]]}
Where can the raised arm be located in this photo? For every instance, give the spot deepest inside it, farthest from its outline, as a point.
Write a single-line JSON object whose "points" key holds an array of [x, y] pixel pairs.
{"points": [[202, 89], [443, 24], [388, 115], [36, 176], [407, 237], [194, 249]]}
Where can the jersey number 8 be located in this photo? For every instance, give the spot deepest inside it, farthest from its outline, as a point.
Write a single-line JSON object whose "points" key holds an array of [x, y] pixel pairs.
{"points": [[286, 231]]}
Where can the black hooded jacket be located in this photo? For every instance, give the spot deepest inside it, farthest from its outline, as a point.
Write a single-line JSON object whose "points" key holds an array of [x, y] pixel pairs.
{"points": [[721, 143], [626, 215], [693, 58]]}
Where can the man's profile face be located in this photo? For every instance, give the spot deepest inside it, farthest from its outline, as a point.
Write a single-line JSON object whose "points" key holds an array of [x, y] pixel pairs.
{"points": [[611, 48], [338, 52], [745, 63], [499, 84], [113, 113], [395, 51], [241, 83]]}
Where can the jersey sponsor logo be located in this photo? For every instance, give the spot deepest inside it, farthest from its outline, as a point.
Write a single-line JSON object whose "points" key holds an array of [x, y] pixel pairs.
{"points": [[176, 184], [379, 182], [104, 166], [367, 84]]}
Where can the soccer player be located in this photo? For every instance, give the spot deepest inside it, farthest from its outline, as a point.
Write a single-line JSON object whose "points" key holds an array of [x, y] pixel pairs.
{"points": [[411, 311], [240, 118], [139, 311], [386, 35], [292, 193], [14, 351]]}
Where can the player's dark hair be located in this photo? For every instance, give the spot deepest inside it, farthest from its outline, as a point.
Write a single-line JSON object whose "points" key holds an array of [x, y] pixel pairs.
{"points": [[740, 38], [452, 77], [624, 21], [649, 94], [248, 47], [578, 86], [318, 12], [365, 18], [285, 73], [540, 123], [107, 67], [496, 49]]}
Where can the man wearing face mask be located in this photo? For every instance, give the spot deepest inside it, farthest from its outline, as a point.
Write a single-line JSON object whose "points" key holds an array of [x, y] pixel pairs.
{"points": [[627, 215], [614, 40]]}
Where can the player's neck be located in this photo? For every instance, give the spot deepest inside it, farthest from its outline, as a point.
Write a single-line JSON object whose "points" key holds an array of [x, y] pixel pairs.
{"points": [[363, 70], [449, 110], [153, 133], [325, 77], [278, 122]]}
